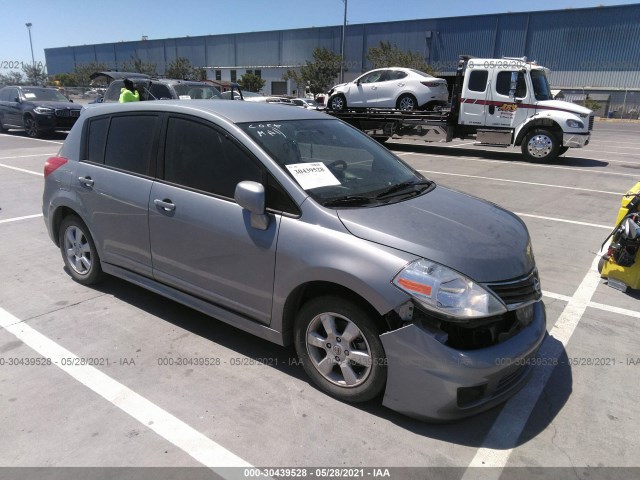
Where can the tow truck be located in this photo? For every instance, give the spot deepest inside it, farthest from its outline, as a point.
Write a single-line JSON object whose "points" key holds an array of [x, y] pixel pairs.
{"points": [[498, 102]]}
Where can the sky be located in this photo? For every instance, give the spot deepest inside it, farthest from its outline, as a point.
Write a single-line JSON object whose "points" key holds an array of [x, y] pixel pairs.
{"points": [[77, 22]]}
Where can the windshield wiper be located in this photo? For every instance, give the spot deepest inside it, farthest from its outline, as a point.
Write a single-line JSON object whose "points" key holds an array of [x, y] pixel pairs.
{"points": [[352, 200], [397, 189]]}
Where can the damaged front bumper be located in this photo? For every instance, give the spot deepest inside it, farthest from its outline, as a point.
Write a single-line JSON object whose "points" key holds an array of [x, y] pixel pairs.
{"points": [[431, 381]]}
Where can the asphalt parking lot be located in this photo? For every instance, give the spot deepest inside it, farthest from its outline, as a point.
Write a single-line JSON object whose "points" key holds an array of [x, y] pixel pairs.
{"points": [[251, 404]]}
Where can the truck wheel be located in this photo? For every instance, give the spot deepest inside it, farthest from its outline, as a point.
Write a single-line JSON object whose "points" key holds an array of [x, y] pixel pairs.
{"points": [[540, 145], [407, 102], [340, 348], [601, 263], [337, 103], [562, 150]]}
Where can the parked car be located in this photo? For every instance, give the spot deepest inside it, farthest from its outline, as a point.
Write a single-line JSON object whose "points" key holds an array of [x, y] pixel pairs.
{"points": [[163, 89], [395, 87], [37, 110], [298, 228], [306, 103]]}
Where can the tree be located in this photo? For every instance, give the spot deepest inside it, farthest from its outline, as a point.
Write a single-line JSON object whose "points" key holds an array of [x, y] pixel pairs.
{"points": [[83, 72], [320, 74], [592, 104], [387, 55], [181, 68], [35, 74], [139, 66], [251, 82], [11, 78], [64, 79]]}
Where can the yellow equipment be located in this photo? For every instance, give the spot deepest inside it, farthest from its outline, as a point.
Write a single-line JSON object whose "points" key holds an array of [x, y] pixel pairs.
{"points": [[619, 265]]}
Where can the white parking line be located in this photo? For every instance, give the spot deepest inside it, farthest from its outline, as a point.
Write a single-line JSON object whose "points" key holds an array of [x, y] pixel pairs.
{"points": [[520, 164], [507, 428], [618, 194], [27, 156], [16, 219], [21, 170], [35, 139], [189, 440], [563, 220]]}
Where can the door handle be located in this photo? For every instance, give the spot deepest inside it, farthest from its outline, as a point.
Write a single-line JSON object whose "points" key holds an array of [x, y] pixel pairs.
{"points": [[401, 84], [374, 88], [87, 181], [165, 204]]}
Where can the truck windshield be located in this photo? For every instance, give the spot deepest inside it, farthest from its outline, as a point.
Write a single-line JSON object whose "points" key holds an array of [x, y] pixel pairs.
{"points": [[541, 87], [337, 165]]}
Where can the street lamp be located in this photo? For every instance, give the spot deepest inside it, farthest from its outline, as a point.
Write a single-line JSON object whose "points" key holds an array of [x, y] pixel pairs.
{"points": [[344, 28], [33, 61]]}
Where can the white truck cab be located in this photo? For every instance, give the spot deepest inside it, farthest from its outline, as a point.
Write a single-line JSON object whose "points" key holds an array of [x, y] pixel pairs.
{"points": [[509, 102]]}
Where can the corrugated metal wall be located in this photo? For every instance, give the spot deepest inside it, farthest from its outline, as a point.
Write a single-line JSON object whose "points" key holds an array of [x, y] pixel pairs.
{"points": [[598, 47]]}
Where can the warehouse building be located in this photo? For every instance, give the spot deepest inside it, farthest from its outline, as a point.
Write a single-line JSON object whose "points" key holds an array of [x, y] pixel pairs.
{"points": [[590, 51]]}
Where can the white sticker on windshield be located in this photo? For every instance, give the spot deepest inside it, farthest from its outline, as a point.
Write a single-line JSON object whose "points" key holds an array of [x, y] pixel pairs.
{"points": [[185, 97], [312, 175], [30, 95]]}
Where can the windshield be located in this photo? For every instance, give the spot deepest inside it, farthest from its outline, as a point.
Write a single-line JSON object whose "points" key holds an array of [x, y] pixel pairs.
{"points": [[194, 92], [43, 94], [336, 164], [541, 88]]}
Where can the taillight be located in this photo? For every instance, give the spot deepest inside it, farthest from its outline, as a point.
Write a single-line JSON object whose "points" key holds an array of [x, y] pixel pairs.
{"points": [[432, 84], [52, 164]]}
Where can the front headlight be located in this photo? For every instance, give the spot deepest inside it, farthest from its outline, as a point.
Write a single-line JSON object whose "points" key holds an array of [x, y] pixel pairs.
{"points": [[44, 110], [575, 124], [445, 291]]}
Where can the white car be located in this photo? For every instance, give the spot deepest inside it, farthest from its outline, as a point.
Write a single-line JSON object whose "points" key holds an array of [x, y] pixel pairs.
{"points": [[306, 103], [394, 87]]}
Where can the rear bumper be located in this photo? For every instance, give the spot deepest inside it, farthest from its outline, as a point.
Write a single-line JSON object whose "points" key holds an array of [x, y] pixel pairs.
{"points": [[575, 140], [430, 381]]}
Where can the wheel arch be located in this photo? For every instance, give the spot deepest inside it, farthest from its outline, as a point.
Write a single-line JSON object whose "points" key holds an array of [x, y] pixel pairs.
{"points": [[546, 123], [59, 214], [309, 290]]}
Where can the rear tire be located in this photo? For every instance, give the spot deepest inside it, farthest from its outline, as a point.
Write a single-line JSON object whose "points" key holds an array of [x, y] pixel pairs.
{"points": [[340, 349], [337, 103], [79, 251], [540, 145], [407, 102]]}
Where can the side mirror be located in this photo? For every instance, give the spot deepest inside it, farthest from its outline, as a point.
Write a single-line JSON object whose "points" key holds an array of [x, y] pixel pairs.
{"points": [[251, 197], [17, 100], [70, 101]]}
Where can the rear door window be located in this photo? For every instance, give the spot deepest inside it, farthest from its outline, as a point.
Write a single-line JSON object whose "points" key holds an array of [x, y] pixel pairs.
{"points": [[131, 143], [478, 80], [96, 139]]}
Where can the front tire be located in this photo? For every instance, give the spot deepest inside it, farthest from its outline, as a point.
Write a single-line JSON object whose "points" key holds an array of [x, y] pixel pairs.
{"points": [[337, 103], [540, 145], [79, 251], [407, 102], [31, 127], [340, 348], [562, 150]]}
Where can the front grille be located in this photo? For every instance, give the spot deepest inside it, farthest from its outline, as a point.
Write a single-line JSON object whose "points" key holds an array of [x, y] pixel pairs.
{"points": [[591, 118], [516, 292], [65, 112]]}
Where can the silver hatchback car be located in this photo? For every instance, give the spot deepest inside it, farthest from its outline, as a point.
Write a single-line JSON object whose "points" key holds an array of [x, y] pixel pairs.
{"points": [[298, 228]]}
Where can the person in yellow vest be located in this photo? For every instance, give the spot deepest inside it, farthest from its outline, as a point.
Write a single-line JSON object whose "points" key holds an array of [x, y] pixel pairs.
{"points": [[128, 93]]}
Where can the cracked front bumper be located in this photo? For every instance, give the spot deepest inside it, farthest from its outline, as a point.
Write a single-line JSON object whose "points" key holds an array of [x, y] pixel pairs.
{"points": [[430, 381]]}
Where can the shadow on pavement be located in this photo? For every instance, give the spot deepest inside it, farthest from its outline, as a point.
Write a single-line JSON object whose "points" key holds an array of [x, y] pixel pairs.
{"points": [[510, 155], [469, 432]]}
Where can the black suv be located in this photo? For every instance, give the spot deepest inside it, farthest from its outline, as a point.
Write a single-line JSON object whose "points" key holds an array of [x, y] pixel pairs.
{"points": [[163, 89], [38, 110]]}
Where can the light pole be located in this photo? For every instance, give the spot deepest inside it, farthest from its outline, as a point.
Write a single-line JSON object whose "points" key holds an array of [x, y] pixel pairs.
{"points": [[344, 28], [33, 61]]}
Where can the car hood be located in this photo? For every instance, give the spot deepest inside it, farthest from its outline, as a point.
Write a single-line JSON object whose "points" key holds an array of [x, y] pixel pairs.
{"points": [[564, 106], [474, 237], [71, 106]]}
